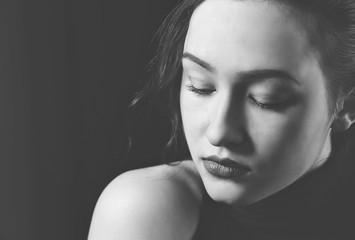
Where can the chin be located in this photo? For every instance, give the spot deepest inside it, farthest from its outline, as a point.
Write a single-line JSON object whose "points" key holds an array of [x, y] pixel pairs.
{"points": [[227, 191]]}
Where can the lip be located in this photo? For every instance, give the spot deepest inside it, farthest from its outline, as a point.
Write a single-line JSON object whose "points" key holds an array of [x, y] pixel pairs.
{"points": [[224, 167]]}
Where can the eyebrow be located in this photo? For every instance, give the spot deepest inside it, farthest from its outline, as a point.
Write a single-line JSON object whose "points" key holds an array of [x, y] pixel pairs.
{"points": [[252, 75], [198, 61], [260, 74]]}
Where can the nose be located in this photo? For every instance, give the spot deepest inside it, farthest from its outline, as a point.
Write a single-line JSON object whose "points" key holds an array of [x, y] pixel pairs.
{"points": [[227, 122]]}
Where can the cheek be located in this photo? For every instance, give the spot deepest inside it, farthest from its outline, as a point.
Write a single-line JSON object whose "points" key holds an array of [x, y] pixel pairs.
{"points": [[290, 141], [194, 117], [273, 136]]}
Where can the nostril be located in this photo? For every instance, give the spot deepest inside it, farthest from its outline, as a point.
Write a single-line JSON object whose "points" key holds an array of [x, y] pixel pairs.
{"points": [[223, 135]]}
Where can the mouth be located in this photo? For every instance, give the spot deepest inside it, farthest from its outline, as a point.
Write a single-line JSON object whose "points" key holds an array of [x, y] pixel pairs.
{"points": [[224, 167]]}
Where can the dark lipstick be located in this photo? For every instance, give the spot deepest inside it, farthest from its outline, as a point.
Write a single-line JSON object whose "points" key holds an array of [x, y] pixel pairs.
{"points": [[224, 167]]}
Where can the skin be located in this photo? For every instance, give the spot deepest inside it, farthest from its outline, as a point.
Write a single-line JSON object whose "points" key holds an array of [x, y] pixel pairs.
{"points": [[277, 126], [228, 115], [160, 203]]}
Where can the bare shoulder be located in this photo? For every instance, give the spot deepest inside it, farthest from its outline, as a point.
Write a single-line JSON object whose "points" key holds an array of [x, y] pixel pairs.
{"points": [[160, 202]]}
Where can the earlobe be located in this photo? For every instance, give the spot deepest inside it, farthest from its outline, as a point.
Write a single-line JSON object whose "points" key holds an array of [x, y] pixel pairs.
{"points": [[345, 116], [343, 122]]}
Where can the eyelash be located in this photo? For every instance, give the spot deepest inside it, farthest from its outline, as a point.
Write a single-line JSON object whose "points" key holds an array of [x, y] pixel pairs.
{"points": [[204, 92], [267, 106]]}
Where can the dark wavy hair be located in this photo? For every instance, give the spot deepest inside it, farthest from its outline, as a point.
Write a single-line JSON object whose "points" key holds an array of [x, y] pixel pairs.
{"points": [[331, 27]]}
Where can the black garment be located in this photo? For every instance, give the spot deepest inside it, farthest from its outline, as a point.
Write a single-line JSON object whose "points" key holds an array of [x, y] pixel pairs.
{"points": [[320, 206]]}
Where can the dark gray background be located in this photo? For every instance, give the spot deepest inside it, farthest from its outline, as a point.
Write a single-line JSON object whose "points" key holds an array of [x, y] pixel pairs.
{"points": [[68, 69]]}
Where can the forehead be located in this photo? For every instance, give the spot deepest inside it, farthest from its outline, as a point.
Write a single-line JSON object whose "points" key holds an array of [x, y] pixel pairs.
{"points": [[244, 35]]}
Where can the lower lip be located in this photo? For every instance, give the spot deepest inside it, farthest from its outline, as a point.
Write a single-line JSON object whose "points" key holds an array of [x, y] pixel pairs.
{"points": [[221, 171]]}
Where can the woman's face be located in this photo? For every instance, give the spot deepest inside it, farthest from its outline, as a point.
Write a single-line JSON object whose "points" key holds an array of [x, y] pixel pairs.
{"points": [[253, 100]]}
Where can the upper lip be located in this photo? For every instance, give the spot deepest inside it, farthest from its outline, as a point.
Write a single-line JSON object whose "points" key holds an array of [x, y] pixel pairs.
{"points": [[226, 162]]}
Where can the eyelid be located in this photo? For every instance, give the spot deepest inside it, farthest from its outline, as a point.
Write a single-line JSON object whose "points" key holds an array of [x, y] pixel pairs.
{"points": [[270, 97], [274, 105], [203, 92], [199, 81], [195, 71], [272, 93]]}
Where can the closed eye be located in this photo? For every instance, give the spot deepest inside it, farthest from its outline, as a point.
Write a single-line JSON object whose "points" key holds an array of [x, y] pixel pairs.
{"points": [[276, 105], [200, 91]]}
